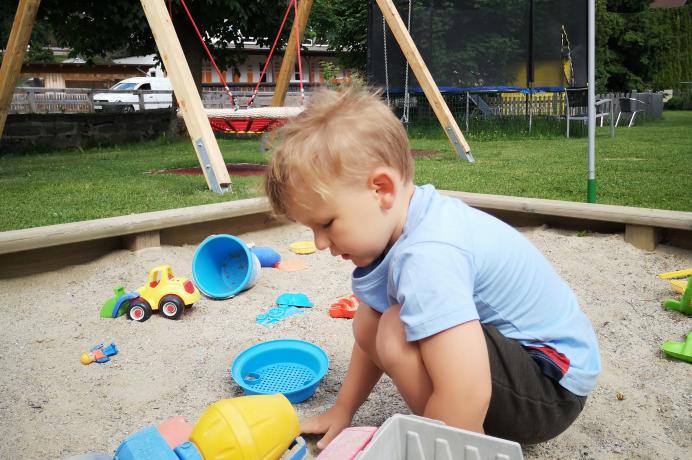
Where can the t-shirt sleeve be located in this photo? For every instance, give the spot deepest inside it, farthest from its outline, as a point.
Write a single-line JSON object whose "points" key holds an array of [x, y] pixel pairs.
{"points": [[433, 283]]}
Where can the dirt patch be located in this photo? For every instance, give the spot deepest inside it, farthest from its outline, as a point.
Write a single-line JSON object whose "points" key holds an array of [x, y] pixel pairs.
{"points": [[249, 169], [424, 153], [234, 169]]}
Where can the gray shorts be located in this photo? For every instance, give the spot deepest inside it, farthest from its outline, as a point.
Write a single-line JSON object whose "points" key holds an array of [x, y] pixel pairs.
{"points": [[526, 405]]}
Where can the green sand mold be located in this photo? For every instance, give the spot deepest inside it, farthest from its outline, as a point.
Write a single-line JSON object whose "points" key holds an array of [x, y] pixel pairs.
{"points": [[679, 350]]}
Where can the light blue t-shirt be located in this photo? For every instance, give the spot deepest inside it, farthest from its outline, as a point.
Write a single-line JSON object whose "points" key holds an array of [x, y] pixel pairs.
{"points": [[453, 264]]}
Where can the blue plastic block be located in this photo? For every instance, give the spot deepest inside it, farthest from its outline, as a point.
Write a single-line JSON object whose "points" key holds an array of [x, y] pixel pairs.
{"points": [[146, 444], [188, 451], [117, 310], [267, 256], [297, 450]]}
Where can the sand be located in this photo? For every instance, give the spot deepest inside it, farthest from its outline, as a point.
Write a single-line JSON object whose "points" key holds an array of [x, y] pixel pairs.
{"points": [[53, 407]]}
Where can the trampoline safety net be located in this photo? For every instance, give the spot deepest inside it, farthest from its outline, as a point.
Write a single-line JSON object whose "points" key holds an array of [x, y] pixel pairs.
{"points": [[485, 43]]}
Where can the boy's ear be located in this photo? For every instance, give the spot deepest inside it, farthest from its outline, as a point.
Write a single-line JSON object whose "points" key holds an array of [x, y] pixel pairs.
{"points": [[384, 184]]}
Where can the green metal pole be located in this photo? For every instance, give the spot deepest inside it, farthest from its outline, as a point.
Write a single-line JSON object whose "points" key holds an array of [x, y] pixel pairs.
{"points": [[591, 191]]}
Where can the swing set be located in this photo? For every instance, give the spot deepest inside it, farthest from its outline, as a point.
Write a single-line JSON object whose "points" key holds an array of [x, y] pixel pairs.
{"points": [[252, 120], [198, 121]]}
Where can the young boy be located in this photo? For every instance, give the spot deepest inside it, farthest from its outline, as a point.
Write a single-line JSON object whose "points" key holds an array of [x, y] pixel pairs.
{"points": [[470, 321]]}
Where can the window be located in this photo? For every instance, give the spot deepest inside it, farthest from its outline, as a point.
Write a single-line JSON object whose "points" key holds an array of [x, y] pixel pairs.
{"points": [[266, 73], [296, 72], [145, 87]]}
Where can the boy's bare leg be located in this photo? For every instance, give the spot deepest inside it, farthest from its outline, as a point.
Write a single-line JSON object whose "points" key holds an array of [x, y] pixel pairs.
{"points": [[402, 361], [461, 391]]}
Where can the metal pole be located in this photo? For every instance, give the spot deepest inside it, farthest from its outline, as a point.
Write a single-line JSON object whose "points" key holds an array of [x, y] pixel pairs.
{"points": [[467, 111], [591, 184], [529, 70]]}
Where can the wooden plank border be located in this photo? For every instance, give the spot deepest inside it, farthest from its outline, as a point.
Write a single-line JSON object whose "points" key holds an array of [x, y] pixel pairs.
{"points": [[41, 249]]}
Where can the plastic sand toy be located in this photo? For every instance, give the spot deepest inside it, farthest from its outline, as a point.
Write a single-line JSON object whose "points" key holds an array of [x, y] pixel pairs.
{"points": [[119, 304], [266, 256], [677, 285], [164, 292], [293, 368], [684, 305], [294, 300], [249, 428], [348, 444], [292, 265], [302, 247], [679, 350], [344, 308], [276, 314], [99, 354], [223, 266]]}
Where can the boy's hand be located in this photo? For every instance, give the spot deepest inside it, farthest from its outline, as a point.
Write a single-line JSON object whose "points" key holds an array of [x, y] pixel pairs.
{"points": [[331, 423]]}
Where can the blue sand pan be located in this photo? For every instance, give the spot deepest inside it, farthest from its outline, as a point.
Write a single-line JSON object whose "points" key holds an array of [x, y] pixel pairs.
{"points": [[291, 367]]}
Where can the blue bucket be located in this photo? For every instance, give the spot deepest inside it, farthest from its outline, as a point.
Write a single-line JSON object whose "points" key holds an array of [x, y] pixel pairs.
{"points": [[223, 266]]}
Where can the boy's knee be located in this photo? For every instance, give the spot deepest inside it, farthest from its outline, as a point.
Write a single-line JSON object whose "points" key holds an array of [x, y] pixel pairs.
{"points": [[390, 342], [364, 331]]}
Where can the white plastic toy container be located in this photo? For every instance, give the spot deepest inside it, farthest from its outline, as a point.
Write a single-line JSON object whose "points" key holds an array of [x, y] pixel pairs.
{"points": [[408, 437]]}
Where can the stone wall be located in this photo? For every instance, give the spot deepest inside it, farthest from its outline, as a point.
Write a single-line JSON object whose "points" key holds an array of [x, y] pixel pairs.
{"points": [[24, 132]]}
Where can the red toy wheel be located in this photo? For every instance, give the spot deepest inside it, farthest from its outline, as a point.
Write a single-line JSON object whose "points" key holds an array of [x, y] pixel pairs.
{"points": [[139, 310], [171, 307]]}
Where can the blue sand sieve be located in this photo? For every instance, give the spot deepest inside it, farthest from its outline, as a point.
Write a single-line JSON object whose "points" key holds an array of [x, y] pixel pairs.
{"points": [[291, 367]]}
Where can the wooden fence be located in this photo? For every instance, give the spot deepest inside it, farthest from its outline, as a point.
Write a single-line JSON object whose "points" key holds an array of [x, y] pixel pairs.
{"points": [[502, 104], [73, 100]]}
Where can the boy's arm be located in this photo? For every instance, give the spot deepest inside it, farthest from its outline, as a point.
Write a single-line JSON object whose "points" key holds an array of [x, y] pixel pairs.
{"points": [[457, 361], [361, 377]]}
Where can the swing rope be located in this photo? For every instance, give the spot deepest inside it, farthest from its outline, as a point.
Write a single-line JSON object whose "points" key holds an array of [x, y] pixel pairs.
{"points": [[300, 65], [292, 4], [206, 48]]}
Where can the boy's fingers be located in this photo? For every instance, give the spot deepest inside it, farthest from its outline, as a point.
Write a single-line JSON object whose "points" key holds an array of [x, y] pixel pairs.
{"points": [[311, 426], [327, 438]]}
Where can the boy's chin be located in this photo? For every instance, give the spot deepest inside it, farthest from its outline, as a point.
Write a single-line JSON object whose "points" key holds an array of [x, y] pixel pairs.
{"points": [[361, 263]]}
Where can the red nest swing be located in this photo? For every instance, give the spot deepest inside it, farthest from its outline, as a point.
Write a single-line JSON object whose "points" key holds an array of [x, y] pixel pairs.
{"points": [[252, 120]]}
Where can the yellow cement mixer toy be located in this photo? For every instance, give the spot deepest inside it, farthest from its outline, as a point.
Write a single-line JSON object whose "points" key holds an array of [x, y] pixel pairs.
{"points": [[262, 427]]}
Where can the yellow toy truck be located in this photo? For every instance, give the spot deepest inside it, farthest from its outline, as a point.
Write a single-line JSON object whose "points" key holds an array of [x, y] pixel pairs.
{"points": [[163, 292]]}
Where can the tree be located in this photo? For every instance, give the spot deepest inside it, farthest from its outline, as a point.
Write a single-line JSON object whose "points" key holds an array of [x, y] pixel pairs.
{"points": [[342, 25]]}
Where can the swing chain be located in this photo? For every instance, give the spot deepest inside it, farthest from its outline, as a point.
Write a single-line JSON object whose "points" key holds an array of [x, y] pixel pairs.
{"points": [[386, 65], [407, 98]]}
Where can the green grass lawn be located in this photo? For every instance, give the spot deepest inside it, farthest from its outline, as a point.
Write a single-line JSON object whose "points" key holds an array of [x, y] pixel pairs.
{"points": [[647, 166]]}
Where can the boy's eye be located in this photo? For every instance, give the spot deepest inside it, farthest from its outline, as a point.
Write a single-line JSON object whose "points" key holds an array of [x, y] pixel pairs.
{"points": [[328, 224]]}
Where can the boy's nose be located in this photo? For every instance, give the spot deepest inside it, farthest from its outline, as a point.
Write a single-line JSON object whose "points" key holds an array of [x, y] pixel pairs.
{"points": [[321, 241]]}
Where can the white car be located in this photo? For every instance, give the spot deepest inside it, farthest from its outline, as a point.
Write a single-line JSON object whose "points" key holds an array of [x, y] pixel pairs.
{"points": [[129, 102]]}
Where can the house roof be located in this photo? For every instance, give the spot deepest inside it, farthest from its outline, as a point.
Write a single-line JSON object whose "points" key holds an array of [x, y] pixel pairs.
{"points": [[668, 3], [77, 67]]}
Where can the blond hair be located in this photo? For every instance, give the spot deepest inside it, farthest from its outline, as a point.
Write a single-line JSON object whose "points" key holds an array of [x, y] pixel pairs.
{"points": [[341, 136]]}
